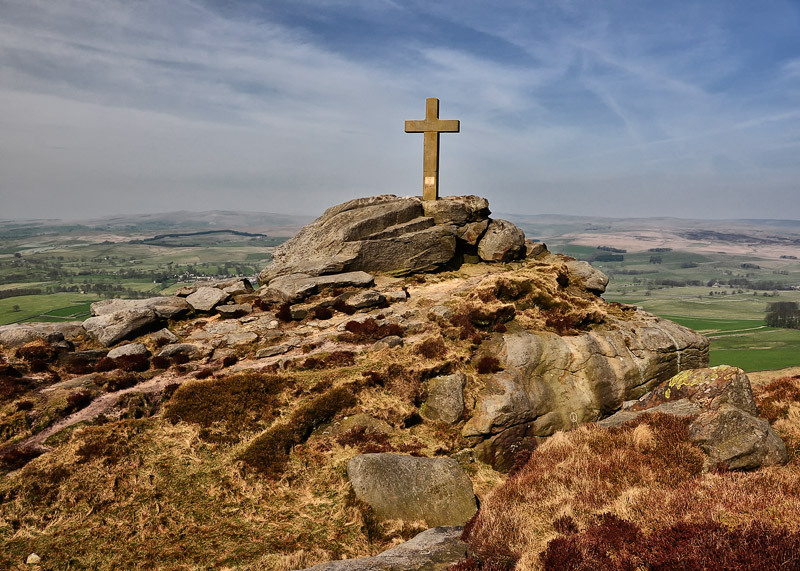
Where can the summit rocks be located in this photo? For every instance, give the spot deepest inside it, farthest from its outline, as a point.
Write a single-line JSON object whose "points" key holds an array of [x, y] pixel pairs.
{"points": [[397, 235]]}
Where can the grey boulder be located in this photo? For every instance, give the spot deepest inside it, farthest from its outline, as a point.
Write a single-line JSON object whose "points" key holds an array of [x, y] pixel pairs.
{"points": [[111, 328], [409, 488], [502, 242], [207, 298], [445, 401], [128, 350], [164, 307]]}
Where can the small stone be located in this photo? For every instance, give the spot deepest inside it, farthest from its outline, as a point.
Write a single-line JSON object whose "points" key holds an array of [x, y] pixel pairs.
{"points": [[185, 291], [33, 559], [301, 310], [240, 339], [396, 296], [234, 310], [388, 343], [534, 249], [163, 337], [187, 349], [237, 287], [128, 350], [440, 313], [366, 299], [471, 233], [274, 350]]}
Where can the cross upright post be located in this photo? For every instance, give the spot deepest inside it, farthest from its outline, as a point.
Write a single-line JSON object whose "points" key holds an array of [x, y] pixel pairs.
{"points": [[431, 126]]}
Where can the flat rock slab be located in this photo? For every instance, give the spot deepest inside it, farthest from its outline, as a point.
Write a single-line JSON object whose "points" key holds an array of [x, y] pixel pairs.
{"points": [[109, 329], [299, 286], [128, 350], [434, 549], [164, 307], [234, 310], [17, 335], [409, 488], [207, 298]]}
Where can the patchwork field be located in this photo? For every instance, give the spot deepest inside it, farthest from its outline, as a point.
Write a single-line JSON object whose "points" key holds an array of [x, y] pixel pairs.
{"points": [[716, 277]]}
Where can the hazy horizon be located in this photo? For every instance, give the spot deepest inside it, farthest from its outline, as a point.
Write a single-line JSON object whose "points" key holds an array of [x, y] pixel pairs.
{"points": [[616, 109]]}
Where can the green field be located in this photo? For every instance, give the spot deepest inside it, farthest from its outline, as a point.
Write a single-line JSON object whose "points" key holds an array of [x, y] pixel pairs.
{"points": [[54, 275]]}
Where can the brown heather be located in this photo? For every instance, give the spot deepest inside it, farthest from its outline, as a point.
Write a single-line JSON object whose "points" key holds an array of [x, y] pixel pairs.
{"points": [[634, 497]]}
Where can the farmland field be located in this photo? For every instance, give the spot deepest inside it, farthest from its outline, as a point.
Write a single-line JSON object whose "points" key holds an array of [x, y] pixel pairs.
{"points": [[714, 277]]}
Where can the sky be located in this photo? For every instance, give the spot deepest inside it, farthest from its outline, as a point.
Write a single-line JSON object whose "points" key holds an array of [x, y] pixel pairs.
{"points": [[593, 108]]}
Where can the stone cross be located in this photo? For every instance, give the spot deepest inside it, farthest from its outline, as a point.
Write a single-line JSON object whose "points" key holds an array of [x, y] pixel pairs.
{"points": [[431, 126]]}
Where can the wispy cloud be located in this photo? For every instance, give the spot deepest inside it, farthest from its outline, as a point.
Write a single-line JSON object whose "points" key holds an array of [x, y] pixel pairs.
{"points": [[111, 105]]}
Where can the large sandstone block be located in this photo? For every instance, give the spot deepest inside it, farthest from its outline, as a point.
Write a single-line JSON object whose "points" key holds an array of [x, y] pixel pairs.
{"points": [[111, 328], [445, 398], [206, 298], [551, 383], [406, 487]]}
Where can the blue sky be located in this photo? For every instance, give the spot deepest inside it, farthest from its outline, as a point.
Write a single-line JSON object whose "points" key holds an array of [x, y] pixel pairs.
{"points": [[629, 108]]}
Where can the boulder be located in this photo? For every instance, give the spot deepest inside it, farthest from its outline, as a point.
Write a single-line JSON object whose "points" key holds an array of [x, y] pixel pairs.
{"points": [[187, 349], [111, 328], [708, 388], [445, 401], [17, 335], [587, 276], [727, 426], [238, 286], [534, 249], [502, 242], [366, 299], [128, 350], [409, 488], [736, 440], [435, 549], [207, 298], [164, 307], [552, 383]]}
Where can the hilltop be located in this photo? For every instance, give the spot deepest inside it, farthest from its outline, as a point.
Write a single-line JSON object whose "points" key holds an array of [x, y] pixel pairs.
{"points": [[238, 426]]}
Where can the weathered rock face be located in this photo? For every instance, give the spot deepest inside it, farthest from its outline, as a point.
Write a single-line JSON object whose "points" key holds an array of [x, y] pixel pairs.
{"points": [[552, 383], [406, 487], [727, 426], [434, 549], [390, 234]]}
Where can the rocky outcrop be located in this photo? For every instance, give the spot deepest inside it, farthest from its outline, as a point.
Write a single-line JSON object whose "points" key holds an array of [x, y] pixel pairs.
{"points": [[396, 235], [727, 426], [435, 490], [164, 307], [552, 383], [435, 549], [587, 276]]}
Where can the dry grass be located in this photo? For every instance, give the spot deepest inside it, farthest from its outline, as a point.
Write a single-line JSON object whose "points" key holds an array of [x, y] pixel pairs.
{"points": [[647, 474]]}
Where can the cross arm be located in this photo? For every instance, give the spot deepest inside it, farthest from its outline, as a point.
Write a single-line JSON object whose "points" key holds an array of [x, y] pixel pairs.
{"points": [[431, 126]]}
